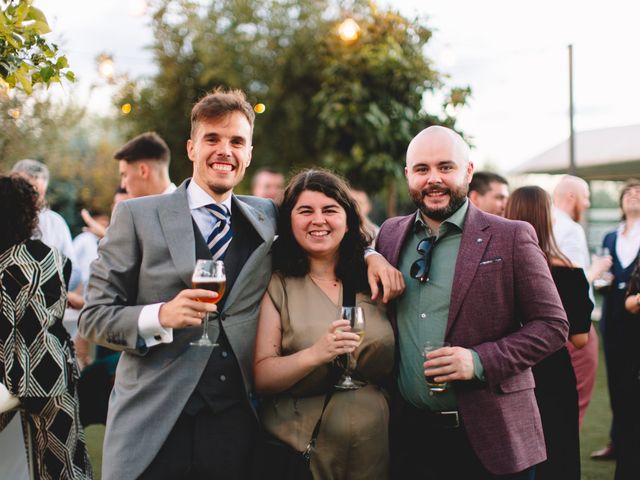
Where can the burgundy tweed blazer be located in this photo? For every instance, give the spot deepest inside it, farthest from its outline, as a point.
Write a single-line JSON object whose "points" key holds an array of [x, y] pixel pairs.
{"points": [[505, 306]]}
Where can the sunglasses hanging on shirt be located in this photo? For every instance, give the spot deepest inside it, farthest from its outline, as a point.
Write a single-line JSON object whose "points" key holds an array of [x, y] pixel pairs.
{"points": [[420, 268]]}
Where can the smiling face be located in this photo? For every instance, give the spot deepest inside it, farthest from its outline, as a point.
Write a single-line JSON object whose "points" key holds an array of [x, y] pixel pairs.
{"points": [[319, 224], [631, 202], [220, 150], [438, 172]]}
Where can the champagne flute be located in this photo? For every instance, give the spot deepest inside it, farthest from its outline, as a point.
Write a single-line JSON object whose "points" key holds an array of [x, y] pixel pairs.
{"points": [[355, 315], [208, 275]]}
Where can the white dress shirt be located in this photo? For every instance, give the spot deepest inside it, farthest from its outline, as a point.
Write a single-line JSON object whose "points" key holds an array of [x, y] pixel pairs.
{"points": [[85, 247], [627, 245], [149, 327], [54, 232], [571, 239]]}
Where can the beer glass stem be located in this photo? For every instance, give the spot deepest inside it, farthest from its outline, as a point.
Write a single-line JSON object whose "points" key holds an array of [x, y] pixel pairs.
{"points": [[205, 327]]}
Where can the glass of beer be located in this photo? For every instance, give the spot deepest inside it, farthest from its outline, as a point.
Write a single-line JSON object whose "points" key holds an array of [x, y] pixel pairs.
{"points": [[208, 275], [431, 383], [355, 315]]}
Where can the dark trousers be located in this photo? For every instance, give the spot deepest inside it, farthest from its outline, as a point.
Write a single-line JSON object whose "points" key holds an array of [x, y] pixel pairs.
{"points": [[425, 447], [207, 445]]}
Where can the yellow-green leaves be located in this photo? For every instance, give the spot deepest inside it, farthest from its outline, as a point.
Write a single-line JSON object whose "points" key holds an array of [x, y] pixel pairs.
{"points": [[26, 58]]}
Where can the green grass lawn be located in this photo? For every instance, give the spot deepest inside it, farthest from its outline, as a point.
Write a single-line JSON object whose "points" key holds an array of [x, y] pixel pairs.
{"points": [[594, 435]]}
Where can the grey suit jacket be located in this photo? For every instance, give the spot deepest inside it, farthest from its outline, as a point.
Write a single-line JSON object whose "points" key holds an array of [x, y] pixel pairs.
{"points": [[504, 305], [147, 257]]}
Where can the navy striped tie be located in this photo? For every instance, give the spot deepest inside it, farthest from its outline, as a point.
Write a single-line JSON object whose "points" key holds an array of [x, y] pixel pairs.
{"points": [[221, 235]]}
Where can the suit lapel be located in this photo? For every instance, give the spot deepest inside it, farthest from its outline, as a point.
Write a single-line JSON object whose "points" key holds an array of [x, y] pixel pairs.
{"points": [[250, 230], [177, 227], [475, 238]]}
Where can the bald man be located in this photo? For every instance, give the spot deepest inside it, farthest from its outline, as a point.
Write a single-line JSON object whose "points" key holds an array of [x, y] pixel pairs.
{"points": [[481, 284], [571, 200]]}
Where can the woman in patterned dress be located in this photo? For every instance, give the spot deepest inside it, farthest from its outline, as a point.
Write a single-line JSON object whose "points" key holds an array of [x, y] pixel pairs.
{"points": [[37, 360]]}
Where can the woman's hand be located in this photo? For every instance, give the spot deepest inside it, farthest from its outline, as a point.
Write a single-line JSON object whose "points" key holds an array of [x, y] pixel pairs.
{"points": [[336, 341], [632, 303]]}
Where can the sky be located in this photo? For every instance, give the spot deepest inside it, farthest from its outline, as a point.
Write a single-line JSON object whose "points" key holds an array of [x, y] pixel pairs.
{"points": [[512, 54]]}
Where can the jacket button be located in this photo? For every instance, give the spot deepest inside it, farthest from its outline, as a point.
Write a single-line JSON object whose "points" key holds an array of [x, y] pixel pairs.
{"points": [[224, 354], [223, 378], [223, 316]]}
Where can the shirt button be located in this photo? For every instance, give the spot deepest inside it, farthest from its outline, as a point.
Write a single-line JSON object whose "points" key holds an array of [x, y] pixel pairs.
{"points": [[224, 354], [423, 315], [223, 378]]}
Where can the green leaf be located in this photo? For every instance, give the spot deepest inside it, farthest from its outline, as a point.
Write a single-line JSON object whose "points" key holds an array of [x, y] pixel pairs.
{"points": [[24, 80], [42, 28], [62, 62]]}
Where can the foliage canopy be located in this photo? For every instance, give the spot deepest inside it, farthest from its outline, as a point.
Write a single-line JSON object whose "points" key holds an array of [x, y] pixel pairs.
{"points": [[351, 107], [26, 58]]}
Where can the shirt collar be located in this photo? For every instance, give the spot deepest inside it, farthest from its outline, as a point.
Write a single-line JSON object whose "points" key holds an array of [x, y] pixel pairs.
{"points": [[456, 220], [561, 214], [198, 198], [170, 189]]}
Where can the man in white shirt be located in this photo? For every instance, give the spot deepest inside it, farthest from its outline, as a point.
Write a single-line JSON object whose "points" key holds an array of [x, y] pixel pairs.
{"points": [[144, 165], [571, 201], [52, 228]]}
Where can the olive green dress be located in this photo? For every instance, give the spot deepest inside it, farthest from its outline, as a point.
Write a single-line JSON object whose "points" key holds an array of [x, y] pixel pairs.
{"points": [[353, 441]]}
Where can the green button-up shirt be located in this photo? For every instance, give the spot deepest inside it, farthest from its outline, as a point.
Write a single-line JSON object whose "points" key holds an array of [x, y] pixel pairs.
{"points": [[423, 310]]}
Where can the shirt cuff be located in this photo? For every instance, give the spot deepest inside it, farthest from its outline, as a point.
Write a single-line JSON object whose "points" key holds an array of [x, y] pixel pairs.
{"points": [[370, 251], [478, 369], [149, 327]]}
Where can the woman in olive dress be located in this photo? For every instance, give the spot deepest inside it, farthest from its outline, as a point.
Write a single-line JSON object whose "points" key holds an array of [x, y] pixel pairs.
{"points": [[320, 247]]}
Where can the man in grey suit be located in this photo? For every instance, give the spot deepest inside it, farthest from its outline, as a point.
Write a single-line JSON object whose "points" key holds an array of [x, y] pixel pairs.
{"points": [[178, 411]]}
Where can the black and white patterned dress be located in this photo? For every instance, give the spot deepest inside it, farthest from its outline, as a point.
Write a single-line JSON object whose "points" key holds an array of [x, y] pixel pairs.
{"points": [[37, 360]]}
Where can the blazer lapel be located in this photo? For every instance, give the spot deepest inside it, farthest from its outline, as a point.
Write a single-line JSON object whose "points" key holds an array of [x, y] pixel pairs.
{"points": [[475, 238], [177, 227], [404, 227]]}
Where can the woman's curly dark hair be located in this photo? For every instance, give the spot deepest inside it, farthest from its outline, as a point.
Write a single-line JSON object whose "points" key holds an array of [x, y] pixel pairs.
{"points": [[19, 207], [291, 260]]}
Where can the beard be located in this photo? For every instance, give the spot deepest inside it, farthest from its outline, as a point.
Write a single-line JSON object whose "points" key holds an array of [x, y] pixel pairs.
{"points": [[457, 197]]}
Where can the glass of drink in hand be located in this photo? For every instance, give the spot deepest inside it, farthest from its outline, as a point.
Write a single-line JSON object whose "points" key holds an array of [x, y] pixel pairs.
{"points": [[605, 279], [208, 275], [431, 383], [355, 315]]}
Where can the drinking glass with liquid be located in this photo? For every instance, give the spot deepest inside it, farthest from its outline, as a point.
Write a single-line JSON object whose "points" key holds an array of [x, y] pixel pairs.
{"points": [[432, 385], [208, 275]]}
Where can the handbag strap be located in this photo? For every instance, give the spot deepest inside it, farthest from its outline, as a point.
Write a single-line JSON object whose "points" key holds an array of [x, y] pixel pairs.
{"points": [[348, 300]]}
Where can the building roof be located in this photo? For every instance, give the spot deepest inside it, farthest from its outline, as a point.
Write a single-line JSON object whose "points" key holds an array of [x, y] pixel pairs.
{"points": [[603, 154]]}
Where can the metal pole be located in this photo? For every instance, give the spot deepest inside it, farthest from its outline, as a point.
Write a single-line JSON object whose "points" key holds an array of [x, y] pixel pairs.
{"points": [[572, 140]]}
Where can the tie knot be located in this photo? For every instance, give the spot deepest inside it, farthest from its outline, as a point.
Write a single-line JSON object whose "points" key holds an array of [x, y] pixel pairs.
{"points": [[219, 211]]}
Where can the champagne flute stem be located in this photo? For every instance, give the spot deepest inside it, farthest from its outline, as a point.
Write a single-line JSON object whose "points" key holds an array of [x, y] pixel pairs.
{"points": [[347, 367]]}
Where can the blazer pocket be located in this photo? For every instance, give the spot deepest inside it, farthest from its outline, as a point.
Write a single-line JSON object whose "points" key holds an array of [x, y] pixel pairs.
{"points": [[490, 265], [518, 382]]}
